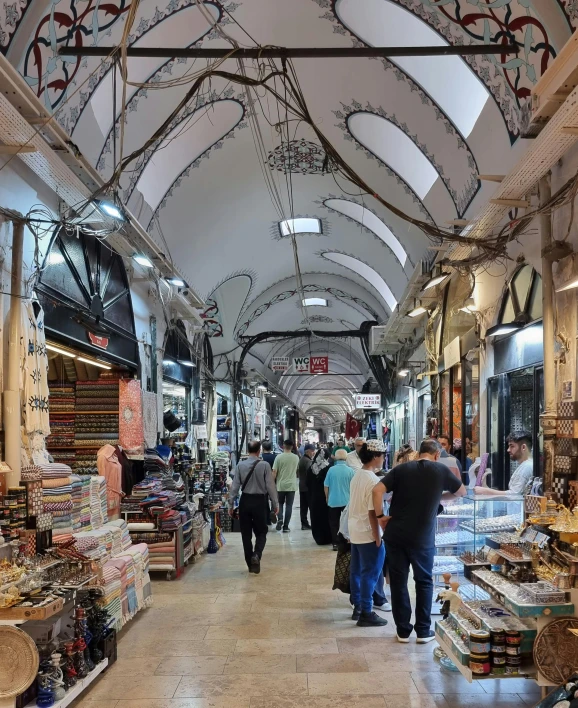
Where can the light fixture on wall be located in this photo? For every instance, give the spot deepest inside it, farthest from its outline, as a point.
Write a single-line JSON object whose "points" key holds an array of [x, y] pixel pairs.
{"points": [[504, 328], [418, 309], [568, 286], [94, 362], [176, 282], [58, 350], [436, 278], [403, 372], [111, 208], [185, 362], [469, 306], [143, 261]]}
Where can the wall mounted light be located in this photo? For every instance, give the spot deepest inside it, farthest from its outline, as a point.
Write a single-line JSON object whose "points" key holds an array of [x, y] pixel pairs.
{"points": [[143, 261], [109, 208], [58, 350], [94, 362], [403, 372], [177, 282], [470, 306], [505, 328], [435, 280]]}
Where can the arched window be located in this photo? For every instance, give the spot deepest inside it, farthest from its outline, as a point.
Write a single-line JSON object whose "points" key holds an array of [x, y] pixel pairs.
{"points": [[523, 298]]}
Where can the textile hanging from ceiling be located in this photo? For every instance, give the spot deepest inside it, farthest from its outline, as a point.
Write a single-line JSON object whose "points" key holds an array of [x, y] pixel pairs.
{"points": [[131, 415], [150, 417], [34, 370]]}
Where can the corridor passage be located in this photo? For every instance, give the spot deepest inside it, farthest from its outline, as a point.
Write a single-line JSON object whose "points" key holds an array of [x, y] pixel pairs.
{"points": [[220, 637]]}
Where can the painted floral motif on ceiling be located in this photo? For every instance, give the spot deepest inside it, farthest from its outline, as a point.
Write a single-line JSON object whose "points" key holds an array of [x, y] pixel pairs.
{"points": [[54, 78], [317, 319], [288, 294], [201, 102], [321, 202], [11, 15], [301, 157], [212, 317], [461, 199], [509, 79]]}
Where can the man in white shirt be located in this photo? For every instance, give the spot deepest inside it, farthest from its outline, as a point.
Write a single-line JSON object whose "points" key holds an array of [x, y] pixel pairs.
{"points": [[352, 458], [520, 450]]}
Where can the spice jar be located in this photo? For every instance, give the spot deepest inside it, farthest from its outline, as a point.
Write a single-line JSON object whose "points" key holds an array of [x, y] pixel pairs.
{"points": [[498, 663], [480, 664], [513, 664], [480, 642]]}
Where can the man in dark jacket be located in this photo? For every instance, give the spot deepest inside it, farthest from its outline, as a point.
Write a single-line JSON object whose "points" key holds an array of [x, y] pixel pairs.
{"points": [[302, 469]]}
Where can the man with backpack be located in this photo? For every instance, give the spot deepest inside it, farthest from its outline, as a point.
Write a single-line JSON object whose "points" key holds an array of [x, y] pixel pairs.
{"points": [[253, 477]]}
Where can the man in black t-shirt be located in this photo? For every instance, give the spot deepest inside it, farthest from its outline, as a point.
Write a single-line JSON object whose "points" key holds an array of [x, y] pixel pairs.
{"points": [[409, 535]]}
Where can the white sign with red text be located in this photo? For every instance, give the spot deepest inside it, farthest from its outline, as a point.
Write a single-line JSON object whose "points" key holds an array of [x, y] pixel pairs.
{"points": [[280, 363], [311, 364], [368, 400]]}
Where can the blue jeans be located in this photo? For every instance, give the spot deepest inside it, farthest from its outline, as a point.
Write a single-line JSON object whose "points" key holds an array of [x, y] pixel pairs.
{"points": [[366, 574], [399, 559]]}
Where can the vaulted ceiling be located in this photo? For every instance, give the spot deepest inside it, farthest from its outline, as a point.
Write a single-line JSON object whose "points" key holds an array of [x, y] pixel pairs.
{"points": [[418, 130]]}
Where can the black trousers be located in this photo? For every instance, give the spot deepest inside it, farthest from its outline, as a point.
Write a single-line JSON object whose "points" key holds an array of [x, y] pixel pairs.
{"points": [[253, 511], [304, 507], [334, 518]]}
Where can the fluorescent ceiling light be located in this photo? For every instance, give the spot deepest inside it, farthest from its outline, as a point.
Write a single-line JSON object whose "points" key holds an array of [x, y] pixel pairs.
{"points": [[417, 311], [185, 362], [470, 306], [58, 350], [261, 387], [311, 301], [110, 209], [167, 362], [94, 362], [436, 280], [568, 286], [177, 281], [403, 372], [143, 261], [54, 258], [506, 328], [300, 226]]}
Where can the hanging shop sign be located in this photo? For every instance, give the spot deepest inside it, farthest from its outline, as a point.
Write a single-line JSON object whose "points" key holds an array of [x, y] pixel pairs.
{"points": [[223, 422], [368, 400], [101, 342], [280, 363], [311, 364], [452, 353]]}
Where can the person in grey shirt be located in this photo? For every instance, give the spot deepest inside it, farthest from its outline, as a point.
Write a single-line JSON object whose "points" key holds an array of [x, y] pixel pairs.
{"points": [[254, 479]]}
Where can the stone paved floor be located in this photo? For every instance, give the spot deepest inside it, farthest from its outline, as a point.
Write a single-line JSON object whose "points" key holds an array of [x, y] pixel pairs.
{"points": [[220, 637]]}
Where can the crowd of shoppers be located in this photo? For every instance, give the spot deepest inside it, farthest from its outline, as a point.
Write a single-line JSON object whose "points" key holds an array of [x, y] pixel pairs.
{"points": [[345, 492]]}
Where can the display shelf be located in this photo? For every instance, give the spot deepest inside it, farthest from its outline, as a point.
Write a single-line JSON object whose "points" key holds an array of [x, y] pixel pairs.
{"points": [[78, 688], [485, 532], [455, 655], [524, 609], [512, 559]]}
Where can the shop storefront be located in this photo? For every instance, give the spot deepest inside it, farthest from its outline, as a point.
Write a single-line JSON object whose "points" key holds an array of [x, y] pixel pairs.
{"points": [[178, 372]]}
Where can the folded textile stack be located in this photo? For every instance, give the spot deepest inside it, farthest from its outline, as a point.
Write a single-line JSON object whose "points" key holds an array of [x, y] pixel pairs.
{"points": [[140, 556], [66, 457], [57, 496], [121, 565], [85, 462], [61, 398], [98, 509], [112, 592], [85, 521], [104, 540], [162, 555], [125, 541], [169, 520], [61, 429], [145, 488], [76, 484], [116, 535]]}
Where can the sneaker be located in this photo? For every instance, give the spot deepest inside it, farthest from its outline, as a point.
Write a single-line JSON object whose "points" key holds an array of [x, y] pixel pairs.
{"points": [[430, 636], [370, 619], [402, 640], [279, 525], [356, 613], [384, 607], [285, 530], [305, 527], [255, 564]]}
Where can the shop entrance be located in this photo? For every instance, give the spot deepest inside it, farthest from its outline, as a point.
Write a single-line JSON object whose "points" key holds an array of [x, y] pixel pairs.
{"points": [[515, 402]]}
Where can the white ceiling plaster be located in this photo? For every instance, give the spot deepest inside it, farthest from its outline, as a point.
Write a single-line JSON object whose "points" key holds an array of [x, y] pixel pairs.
{"points": [[448, 80], [367, 218], [372, 276], [394, 148]]}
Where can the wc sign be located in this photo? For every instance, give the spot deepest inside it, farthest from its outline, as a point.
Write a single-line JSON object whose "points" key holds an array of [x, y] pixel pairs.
{"points": [[311, 364]]}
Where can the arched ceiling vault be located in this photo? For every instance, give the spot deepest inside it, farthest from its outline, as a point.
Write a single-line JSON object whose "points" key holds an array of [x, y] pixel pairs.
{"points": [[417, 130]]}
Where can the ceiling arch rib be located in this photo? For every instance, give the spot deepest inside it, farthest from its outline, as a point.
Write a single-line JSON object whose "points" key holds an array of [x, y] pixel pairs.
{"points": [[368, 220], [448, 80], [366, 272]]}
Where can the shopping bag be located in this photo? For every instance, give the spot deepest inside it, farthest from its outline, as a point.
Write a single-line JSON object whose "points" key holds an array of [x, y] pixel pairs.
{"points": [[342, 563]]}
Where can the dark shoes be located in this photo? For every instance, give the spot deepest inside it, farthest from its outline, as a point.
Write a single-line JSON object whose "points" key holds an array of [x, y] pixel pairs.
{"points": [[285, 530], [255, 566], [356, 613], [305, 527], [334, 547], [279, 525], [371, 619]]}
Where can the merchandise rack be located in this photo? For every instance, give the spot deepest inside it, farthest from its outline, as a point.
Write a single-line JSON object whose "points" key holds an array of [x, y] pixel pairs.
{"points": [[79, 687]]}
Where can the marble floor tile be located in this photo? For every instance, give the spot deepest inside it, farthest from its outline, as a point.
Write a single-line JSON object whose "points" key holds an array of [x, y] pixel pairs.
{"points": [[218, 702], [434, 700], [393, 662], [191, 665], [174, 630], [144, 687], [379, 646], [268, 664], [269, 630], [320, 702], [83, 702], [465, 700], [171, 647], [510, 685], [330, 663], [243, 685], [134, 666], [286, 646], [438, 682], [357, 683]]}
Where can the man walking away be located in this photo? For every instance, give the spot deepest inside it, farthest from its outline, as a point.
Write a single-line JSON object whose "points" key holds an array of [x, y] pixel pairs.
{"points": [[353, 459], [269, 457], [337, 484], [253, 477], [285, 476], [417, 487], [302, 469]]}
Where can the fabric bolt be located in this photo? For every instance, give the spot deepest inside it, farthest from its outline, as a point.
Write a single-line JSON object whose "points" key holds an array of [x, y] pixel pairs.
{"points": [[131, 432], [150, 417]]}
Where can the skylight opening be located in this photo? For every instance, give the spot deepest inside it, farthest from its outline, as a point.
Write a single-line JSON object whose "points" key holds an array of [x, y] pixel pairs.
{"points": [[367, 273], [306, 225], [368, 219], [314, 301], [394, 148], [448, 80]]}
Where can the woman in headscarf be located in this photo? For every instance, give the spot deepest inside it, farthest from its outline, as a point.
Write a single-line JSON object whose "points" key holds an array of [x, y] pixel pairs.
{"points": [[317, 502]]}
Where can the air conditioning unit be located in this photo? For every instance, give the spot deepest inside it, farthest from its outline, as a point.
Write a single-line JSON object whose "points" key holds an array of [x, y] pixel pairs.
{"points": [[182, 305]]}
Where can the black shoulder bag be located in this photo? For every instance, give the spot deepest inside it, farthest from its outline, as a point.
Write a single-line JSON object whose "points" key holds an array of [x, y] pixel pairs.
{"points": [[248, 477]]}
